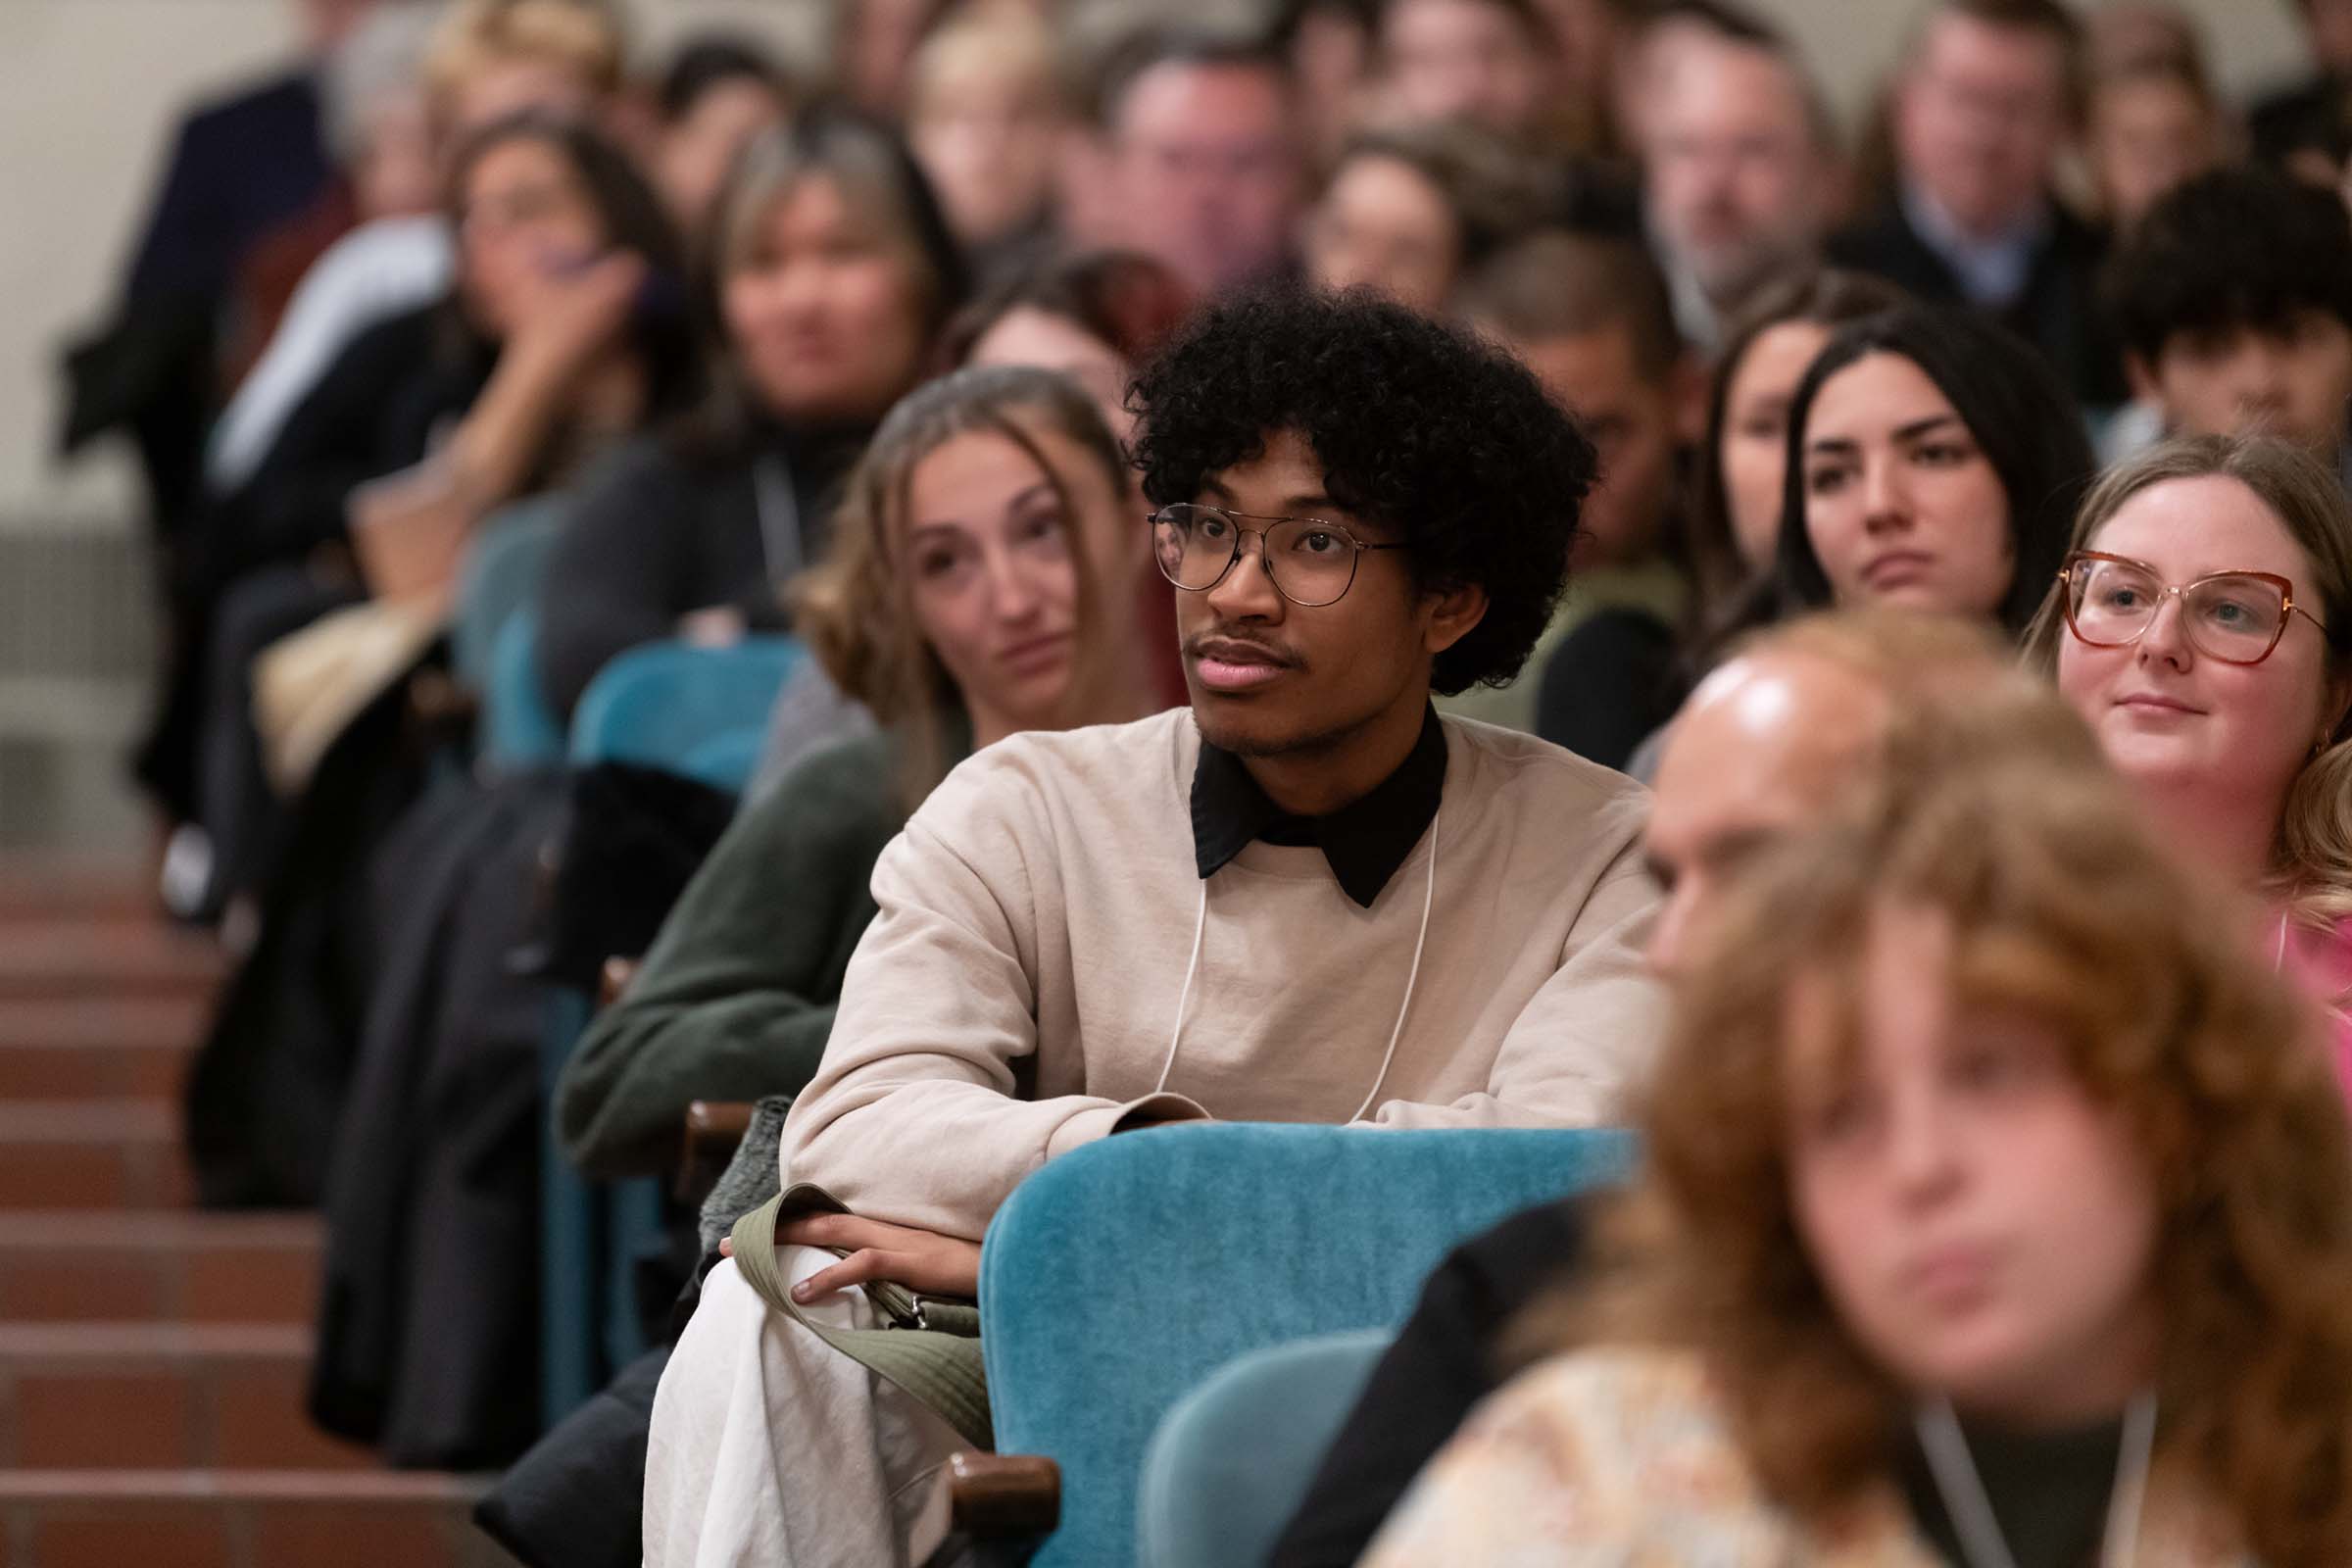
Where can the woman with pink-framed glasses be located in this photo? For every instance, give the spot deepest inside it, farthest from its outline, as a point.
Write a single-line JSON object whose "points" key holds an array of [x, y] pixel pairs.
{"points": [[2202, 626]]}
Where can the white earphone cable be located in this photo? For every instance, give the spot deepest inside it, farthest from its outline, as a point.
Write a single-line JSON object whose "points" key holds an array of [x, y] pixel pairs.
{"points": [[1429, 897], [1199, 930], [1412, 979]]}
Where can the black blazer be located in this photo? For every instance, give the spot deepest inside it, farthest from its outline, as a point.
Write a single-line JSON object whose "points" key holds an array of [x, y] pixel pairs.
{"points": [[2059, 311]]}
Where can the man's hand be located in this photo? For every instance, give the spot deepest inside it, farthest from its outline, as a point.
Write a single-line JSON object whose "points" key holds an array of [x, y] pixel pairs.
{"points": [[924, 1261]]}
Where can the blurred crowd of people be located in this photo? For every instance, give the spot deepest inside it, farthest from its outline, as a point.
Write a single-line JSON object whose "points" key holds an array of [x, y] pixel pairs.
{"points": [[1944, 518]]}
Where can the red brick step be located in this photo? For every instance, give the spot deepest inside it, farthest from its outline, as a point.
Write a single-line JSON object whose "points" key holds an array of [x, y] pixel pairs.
{"points": [[91, 1153], [170, 1267], [241, 1519], [160, 1395], [83, 957], [52, 886], [114, 1047]]}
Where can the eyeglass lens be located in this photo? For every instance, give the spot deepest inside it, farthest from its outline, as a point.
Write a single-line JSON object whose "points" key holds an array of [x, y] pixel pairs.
{"points": [[1312, 563], [2230, 618]]}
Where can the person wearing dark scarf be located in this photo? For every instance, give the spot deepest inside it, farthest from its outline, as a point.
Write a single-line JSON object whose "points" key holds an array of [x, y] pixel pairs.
{"points": [[831, 273]]}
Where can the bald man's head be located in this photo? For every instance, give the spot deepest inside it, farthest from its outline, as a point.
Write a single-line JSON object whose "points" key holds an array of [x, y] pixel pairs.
{"points": [[1777, 737], [1762, 749]]}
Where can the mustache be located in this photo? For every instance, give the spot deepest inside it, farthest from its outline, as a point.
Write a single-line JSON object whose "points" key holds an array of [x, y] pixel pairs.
{"points": [[1219, 642]]}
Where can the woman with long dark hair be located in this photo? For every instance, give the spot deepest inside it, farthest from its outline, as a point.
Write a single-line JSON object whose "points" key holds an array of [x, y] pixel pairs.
{"points": [[1735, 516], [1935, 463]]}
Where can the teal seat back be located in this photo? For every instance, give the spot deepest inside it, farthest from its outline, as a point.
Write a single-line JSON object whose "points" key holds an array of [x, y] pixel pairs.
{"points": [[1121, 1275], [519, 733], [502, 573], [700, 713], [727, 761], [1234, 1458], [660, 705]]}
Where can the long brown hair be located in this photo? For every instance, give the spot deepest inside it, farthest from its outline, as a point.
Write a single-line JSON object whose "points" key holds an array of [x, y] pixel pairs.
{"points": [[2311, 856], [2061, 904], [855, 609], [1826, 298]]}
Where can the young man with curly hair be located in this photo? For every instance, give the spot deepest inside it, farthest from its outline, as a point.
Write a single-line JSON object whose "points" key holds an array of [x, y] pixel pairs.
{"points": [[1307, 898]]}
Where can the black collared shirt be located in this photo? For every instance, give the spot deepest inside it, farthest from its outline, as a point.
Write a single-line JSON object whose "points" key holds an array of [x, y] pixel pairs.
{"points": [[1364, 841]]}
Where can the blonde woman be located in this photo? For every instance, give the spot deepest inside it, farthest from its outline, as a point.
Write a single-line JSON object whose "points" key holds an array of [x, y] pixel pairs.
{"points": [[2202, 626], [964, 600], [1995, 1215]]}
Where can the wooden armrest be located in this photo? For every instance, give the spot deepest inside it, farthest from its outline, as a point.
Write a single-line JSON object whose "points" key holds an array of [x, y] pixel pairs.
{"points": [[718, 1121], [441, 703], [993, 1495], [614, 979], [714, 1129]]}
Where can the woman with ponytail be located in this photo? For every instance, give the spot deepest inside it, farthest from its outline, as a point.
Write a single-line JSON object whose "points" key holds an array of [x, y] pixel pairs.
{"points": [[2202, 624]]}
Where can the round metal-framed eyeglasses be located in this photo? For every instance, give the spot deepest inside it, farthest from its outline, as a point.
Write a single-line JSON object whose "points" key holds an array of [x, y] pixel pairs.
{"points": [[1309, 561]]}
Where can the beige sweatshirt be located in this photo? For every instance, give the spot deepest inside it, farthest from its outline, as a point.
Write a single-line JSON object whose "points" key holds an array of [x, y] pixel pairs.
{"points": [[1017, 993]]}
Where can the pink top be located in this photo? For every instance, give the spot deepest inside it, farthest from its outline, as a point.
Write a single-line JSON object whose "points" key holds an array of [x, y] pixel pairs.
{"points": [[2322, 963]]}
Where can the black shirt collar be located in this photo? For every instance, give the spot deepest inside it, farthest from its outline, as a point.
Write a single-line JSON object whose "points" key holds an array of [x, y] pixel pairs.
{"points": [[1364, 841]]}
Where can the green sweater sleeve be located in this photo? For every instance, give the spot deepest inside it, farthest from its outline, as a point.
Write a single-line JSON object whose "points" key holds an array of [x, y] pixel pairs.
{"points": [[735, 999]]}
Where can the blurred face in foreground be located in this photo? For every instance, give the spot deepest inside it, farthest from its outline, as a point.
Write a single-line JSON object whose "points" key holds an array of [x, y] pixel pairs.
{"points": [[1984, 1228]]}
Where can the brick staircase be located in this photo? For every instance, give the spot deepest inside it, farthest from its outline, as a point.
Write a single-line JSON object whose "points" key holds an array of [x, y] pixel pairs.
{"points": [[153, 1358]]}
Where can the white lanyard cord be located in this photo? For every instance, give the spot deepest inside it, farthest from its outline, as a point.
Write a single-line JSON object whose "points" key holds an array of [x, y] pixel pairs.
{"points": [[779, 511], [1429, 898], [1191, 970], [1962, 1489]]}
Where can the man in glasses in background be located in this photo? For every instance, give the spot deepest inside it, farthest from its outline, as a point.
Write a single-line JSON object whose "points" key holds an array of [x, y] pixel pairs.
{"points": [[1306, 899]]}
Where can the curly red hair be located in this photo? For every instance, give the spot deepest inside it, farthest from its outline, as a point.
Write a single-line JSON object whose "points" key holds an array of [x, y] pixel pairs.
{"points": [[2062, 905]]}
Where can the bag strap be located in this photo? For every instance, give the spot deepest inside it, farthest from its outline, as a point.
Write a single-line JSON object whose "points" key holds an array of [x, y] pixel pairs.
{"points": [[931, 1347]]}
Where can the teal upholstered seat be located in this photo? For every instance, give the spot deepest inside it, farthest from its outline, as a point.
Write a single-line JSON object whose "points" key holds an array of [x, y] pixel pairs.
{"points": [[699, 713], [1118, 1277], [519, 734], [1232, 1461], [503, 570]]}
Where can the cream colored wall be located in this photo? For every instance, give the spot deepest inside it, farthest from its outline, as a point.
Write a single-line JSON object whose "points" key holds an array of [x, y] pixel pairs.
{"points": [[88, 89]]}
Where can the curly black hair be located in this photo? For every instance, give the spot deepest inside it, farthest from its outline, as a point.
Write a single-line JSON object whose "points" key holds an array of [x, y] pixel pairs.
{"points": [[2239, 247], [1420, 427]]}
